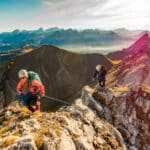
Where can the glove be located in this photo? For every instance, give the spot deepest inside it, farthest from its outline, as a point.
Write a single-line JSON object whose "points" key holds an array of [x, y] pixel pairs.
{"points": [[40, 96]]}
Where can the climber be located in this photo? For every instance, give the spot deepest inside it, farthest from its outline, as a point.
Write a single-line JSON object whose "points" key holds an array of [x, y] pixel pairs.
{"points": [[30, 89], [100, 73]]}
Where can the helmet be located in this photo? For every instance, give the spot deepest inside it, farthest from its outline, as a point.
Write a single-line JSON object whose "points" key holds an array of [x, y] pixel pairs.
{"points": [[23, 73], [98, 67]]}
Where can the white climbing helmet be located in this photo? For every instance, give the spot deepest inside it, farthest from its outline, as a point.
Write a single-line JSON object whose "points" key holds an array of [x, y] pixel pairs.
{"points": [[98, 67], [23, 73]]}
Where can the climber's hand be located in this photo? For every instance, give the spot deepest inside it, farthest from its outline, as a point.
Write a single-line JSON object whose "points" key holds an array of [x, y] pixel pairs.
{"points": [[40, 96]]}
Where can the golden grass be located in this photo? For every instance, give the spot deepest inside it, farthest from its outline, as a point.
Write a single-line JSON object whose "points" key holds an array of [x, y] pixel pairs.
{"points": [[117, 91], [16, 133], [8, 141], [37, 115], [3, 130], [25, 110], [146, 88], [45, 131], [115, 62], [24, 115], [39, 140]]}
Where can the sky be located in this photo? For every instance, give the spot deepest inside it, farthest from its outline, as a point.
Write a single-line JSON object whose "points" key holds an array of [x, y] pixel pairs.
{"points": [[80, 14]]}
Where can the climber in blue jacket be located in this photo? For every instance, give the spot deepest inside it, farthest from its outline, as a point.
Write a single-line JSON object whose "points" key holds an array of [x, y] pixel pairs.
{"points": [[100, 74]]}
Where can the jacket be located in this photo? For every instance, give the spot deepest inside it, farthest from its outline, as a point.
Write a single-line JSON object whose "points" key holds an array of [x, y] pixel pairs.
{"points": [[100, 74], [34, 87]]}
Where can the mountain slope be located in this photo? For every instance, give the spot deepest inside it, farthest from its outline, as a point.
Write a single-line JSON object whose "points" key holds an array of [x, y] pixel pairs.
{"points": [[135, 67], [63, 73], [129, 82], [141, 43], [128, 109]]}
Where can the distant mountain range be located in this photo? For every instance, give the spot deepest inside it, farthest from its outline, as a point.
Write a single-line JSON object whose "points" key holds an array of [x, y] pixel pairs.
{"points": [[67, 38], [141, 45]]}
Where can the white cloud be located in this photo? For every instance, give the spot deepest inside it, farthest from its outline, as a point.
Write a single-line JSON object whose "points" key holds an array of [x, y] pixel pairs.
{"points": [[104, 14], [96, 13]]}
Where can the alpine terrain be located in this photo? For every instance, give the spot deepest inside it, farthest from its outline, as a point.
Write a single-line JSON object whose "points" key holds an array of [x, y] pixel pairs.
{"points": [[116, 117]]}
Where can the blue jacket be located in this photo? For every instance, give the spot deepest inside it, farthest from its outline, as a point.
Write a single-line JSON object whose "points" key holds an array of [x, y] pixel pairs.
{"points": [[100, 75]]}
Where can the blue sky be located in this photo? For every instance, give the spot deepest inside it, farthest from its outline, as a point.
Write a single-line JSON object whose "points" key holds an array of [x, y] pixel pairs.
{"points": [[18, 13], [18, 8], [103, 14]]}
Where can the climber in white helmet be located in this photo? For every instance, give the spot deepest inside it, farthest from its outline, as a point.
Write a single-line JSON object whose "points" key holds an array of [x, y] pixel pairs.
{"points": [[23, 73], [98, 67], [100, 74], [29, 89]]}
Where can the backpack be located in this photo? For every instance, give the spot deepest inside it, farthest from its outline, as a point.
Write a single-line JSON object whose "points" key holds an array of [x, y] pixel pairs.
{"points": [[101, 75], [34, 76]]}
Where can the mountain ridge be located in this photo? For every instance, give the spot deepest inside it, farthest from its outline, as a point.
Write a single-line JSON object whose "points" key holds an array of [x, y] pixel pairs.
{"points": [[134, 68], [143, 40], [63, 73], [62, 37]]}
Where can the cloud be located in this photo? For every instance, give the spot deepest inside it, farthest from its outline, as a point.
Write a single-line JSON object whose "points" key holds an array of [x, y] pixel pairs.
{"points": [[96, 13], [104, 14], [74, 8]]}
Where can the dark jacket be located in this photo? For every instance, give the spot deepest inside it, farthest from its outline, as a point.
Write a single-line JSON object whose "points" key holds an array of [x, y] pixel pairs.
{"points": [[100, 75]]}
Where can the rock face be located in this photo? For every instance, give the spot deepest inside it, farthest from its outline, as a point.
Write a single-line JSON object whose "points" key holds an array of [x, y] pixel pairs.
{"points": [[129, 82], [76, 127], [63, 73], [128, 110]]}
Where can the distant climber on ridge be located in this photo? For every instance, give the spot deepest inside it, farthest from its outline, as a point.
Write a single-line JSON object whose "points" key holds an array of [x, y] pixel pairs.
{"points": [[30, 89], [100, 73]]}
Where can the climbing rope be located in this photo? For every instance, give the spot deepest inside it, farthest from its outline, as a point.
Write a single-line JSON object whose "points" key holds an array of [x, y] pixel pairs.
{"points": [[57, 100], [15, 98], [67, 103]]}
